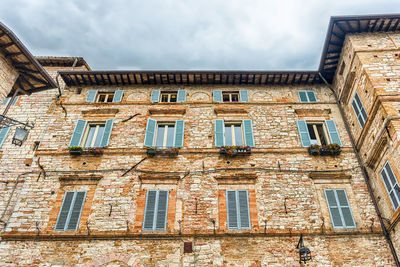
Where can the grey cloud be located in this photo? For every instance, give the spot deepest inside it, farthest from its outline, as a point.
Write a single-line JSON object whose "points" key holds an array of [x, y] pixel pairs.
{"points": [[173, 34]]}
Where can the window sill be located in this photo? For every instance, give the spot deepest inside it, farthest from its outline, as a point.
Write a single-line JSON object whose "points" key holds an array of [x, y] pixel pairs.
{"points": [[87, 151], [232, 151], [171, 152]]}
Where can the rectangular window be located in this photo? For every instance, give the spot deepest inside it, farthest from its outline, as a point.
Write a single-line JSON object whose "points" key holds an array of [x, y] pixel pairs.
{"points": [[318, 133], [93, 135], [230, 96], [359, 110], [237, 208], [164, 134], [339, 208], [70, 212], [391, 184], [233, 134], [155, 215], [169, 96], [7, 100], [307, 96], [105, 97]]}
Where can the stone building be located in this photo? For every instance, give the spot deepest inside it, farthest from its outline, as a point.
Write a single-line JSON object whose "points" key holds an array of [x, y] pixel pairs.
{"points": [[201, 168]]}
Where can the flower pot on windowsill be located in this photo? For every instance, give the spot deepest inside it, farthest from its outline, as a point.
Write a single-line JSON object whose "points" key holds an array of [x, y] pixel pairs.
{"points": [[95, 151], [235, 150], [327, 150], [75, 150], [171, 151]]}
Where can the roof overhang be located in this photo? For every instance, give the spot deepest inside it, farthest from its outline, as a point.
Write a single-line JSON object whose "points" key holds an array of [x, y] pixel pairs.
{"points": [[340, 26], [62, 61], [163, 77], [33, 77]]}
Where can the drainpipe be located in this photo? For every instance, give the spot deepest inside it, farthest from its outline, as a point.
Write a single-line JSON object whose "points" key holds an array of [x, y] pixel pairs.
{"points": [[385, 123], [364, 172]]}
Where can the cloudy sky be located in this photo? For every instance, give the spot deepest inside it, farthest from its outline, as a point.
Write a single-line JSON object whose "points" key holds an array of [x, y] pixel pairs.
{"points": [[183, 34]]}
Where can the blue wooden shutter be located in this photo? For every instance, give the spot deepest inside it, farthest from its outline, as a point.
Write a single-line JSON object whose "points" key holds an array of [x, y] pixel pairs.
{"points": [[217, 96], [333, 208], [155, 96], [78, 132], [76, 210], [231, 209], [244, 95], [107, 133], [64, 211], [219, 133], [303, 96], [248, 133], [150, 130], [149, 212], [91, 95], [345, 208], [179, 133], [3, 134], [118, 96], [303, 132], [244, 212], [333, 133], [181, 96], [162, 207], [311, 96], [6, 100]]}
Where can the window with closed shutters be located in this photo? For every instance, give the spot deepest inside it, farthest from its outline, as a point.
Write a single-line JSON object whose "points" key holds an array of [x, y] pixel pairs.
{"points": [[391, 184], [359, 110], [238, 212], [155, 215], [70, 212], [339, 208]]}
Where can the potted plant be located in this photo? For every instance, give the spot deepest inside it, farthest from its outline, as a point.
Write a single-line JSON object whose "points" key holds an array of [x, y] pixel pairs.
{"points": [[235, 150], [75, 150], [314, 150], [325, 150], [170, 151], [96, 151]]}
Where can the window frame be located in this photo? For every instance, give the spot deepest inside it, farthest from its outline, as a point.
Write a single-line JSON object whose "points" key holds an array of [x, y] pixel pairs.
{"points": [[362, 108], [155, 216], [339, 207], [108, 95], [324, 129], [307, 96], [165, 138], [239, 227], [230, 94], [70, 210], [169, 94], [95, 135], [393, 187], [233, 135]]}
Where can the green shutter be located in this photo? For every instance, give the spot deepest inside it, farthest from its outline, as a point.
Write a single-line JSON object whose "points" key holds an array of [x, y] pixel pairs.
{"points": [[91, 95], [333, 208], [181, 96], [64, 211], [217, 96], [333, 133], [162, 207], [150, 130], [78, 132], [244, 212], [107, 133], [3, 134], [118, 96], [248, 133], [231, 209], [339, 208], [244, 95], [150, 209], [303, 96], [75, 213], [179, 133], [6, 100], [155, 96], [303, 132], [345, 208], [311, 96], [219, 133]]}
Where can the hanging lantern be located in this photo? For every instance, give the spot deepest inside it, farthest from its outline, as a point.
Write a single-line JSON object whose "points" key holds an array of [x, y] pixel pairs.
{"points": [[304, 252], [20, 136]]}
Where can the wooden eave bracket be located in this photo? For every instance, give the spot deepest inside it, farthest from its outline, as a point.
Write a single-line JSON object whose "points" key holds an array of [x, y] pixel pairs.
{"points": [[330, 177], [159, 178], [239, 178], [167, 110]]}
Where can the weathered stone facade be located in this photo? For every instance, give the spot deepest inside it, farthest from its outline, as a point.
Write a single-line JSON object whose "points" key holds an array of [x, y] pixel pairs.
{"points": [[285, 184]]}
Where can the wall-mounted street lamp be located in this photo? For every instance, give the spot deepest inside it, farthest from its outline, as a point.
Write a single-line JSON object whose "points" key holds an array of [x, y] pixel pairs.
{"points": [[304, 252], [21, 133]]}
